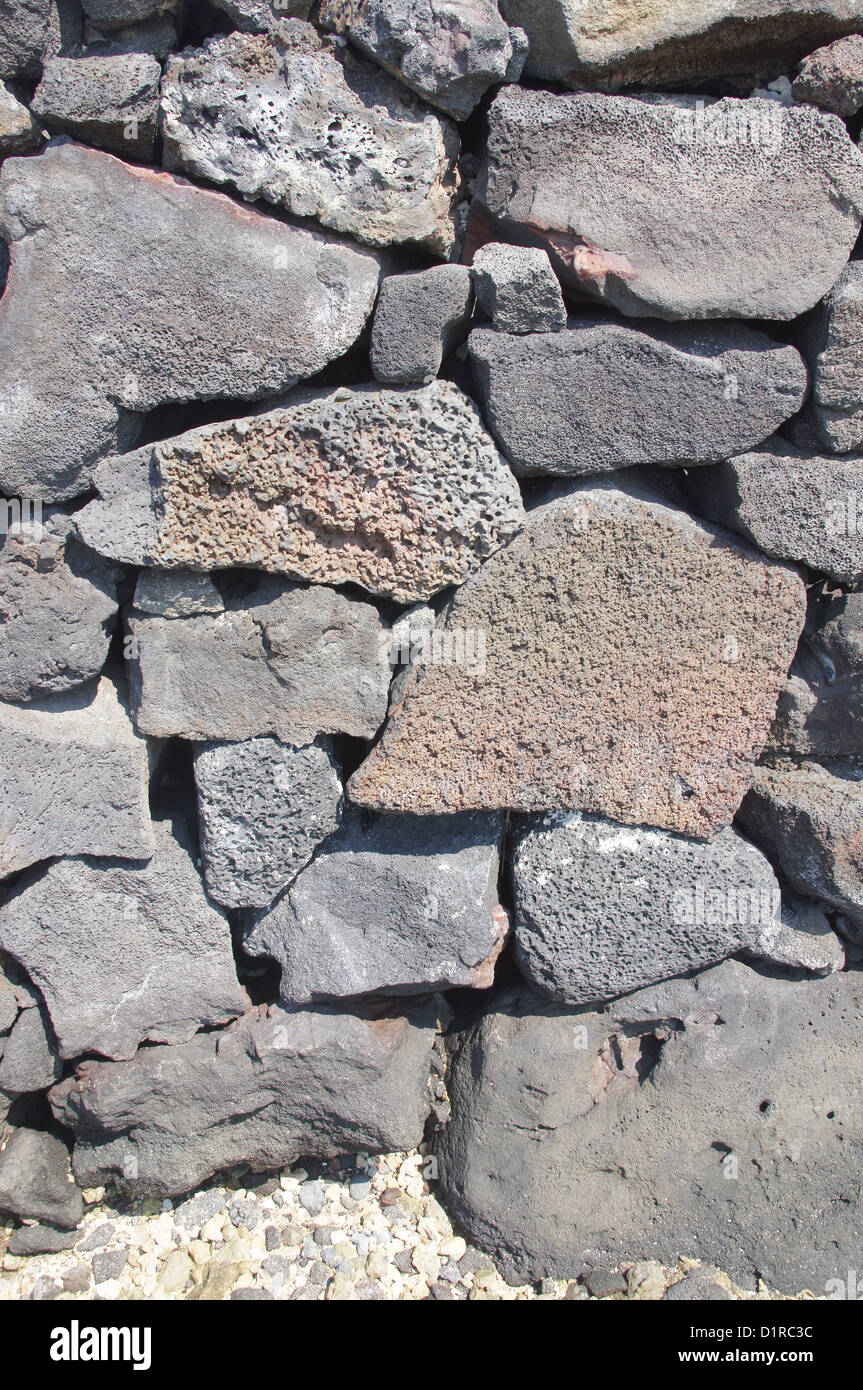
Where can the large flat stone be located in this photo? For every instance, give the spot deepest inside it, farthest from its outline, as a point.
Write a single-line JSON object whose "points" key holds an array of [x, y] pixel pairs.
{"points": [[264, 807], [659, 43], [794, 505], [728, 197], [58, 607], [216, 301], [717, 1118], [124, 953], [398, 905], [400, 491], [833, 342], [633, 658], [605, 395], [285, 661], [601, 909], [73, 779], [275, 1087], [297, 119]]}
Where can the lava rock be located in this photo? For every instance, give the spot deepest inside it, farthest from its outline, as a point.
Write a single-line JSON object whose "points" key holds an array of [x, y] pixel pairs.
{"points": [[40, 1240], [792, 504], [833, 342], [112, 102], [605, 395], [30, 1062], [728, 196], [832, 77], [419, 318], [400, 491], [601, 690], [276, 1086], [36, 1182], [19, 133], [449, 54], [215, 302], [297, 119], [124, 953], [601, 910], [58, 608], [809, 820], [403, 905], [518, 290], [23, 36], [73, 779], [820, 711], [284, 661], [109, 15], [264, 808], [801, 939], [262, 16], [585, 1139]]}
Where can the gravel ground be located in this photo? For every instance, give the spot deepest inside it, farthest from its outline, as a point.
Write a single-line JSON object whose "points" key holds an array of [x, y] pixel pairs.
{"points": [[355, 1229]]}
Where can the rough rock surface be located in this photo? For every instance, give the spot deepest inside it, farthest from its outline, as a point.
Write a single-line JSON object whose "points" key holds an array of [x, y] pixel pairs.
{"points": [[832, 77], [517, 288], [19, 133], [716, 222], [619, 44], [419, 318], [112, 102], [833, 343], [449, 54], [601, 910], [23, 36], [109, 15], [601, 690], [262, 16], [584, 1138], [809, 820], [286, 661], [792, 504], [58, 606], [297, 119], [73, 779], [124, 953], [90, 336], [401, 905], [801, 939], [176, 594], [313, 1083], [8, 1004], [820, 711], [35, 1179], [30, 1061], [264, 807], [605, 395], [400, 491]]}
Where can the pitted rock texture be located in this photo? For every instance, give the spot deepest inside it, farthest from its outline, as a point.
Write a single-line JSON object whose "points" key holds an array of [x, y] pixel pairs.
{"points": [[419, 318], [36, 1182], [616, 43], [297, 119], [58, 606], [449, 54], [792, 504], [91, 336], [19, 133], [581, 1139], [23, 36], [820, 711], [124, 953], [402, 492], [73, 779], [809, 820], [832, 77], [397, 905], [605, 395], [262, 16], [728, 196], [517, 288], [263, 807], [601, 909], [286, 661], [833, 343], [601, 689], [109, 15], [313, 1083], [112, 102]]}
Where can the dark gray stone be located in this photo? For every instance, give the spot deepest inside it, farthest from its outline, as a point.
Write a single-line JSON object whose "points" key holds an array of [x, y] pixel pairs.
{"points": [[40, 1240], [390, 905], [820, 711], [832, 77], [419, 318], [36, 1182], [19, 133], [517, 288], [109, 1264], [833, 342], [605, 395], [109, 15], [30, 1061], [696, 1289], [23, 36], [111, 102]]}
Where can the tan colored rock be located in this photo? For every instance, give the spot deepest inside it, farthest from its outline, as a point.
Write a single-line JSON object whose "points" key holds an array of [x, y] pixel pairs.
{"points": [[633, 660], [400, 491]]}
